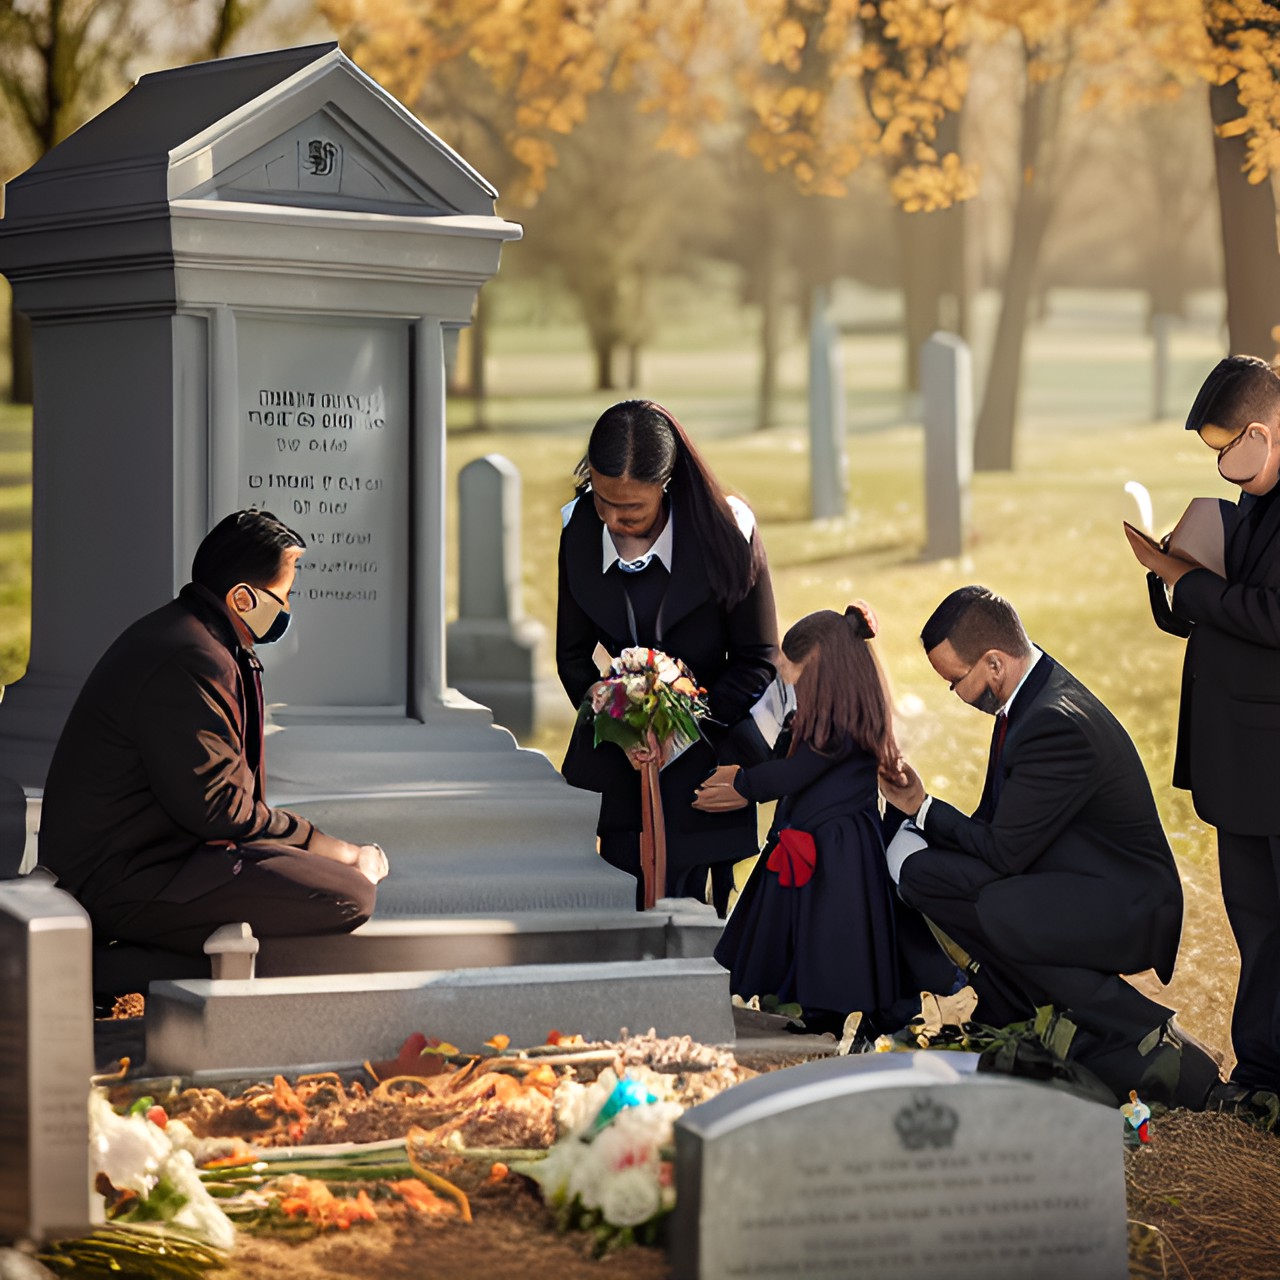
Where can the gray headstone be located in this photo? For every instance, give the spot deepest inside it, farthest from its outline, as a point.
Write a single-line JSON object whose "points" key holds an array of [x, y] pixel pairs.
{"points": [[946, 382], [202, 1025], [827, 467], [46, 1059], [493, 647], [901, 1168]]}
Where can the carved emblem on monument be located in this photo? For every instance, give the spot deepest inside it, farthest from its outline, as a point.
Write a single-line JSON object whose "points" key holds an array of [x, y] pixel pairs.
{"points": [[925, 1123], [322, 157]]}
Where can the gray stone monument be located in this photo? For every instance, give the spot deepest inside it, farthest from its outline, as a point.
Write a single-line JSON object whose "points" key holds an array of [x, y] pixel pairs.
{"points": [[827, 466], [242, 279], [492, 646], [896, 1167], [46, 1059], [946, 381]]}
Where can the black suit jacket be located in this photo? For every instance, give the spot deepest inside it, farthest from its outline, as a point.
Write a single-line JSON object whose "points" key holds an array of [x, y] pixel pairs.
{"points": [[1088, 877], [729, 651], [1229, 717], [152, 765]]}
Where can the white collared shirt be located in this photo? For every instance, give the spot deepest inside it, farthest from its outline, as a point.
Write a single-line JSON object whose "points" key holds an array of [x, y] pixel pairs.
{"points": [[660, 550], [1036, 655]]}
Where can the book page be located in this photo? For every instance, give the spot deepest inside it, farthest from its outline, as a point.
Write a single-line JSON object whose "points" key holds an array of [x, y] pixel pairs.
{"points": [[1199, 535]]}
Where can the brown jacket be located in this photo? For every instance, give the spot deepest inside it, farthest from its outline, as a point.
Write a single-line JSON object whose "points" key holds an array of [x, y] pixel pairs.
{"points": [[160, 757]]}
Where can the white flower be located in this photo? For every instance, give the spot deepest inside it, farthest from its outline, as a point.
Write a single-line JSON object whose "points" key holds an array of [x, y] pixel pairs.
{"points": [[631, 1197], [136, 1154], [201, 1213], [128, 1149]]}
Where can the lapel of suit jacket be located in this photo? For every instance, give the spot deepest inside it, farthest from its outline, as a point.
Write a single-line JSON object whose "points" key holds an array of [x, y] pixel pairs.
{"points": [[1031, 688], [600, 595], [1033, 684], [1259, 542]]}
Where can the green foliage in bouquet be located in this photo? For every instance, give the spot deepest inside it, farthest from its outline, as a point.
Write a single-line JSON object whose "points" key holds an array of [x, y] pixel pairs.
{"points": [[648, 693]]}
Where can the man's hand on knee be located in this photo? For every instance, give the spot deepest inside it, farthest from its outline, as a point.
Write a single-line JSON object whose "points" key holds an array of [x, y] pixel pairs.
{"points": [[372, 862]]}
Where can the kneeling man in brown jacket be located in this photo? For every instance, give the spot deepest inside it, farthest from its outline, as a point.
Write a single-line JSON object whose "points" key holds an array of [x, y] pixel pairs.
{"points": [[153, 813]]}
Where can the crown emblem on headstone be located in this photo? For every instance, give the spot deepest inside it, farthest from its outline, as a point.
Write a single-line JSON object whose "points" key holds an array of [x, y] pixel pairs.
{"points": [[926, 1123]]}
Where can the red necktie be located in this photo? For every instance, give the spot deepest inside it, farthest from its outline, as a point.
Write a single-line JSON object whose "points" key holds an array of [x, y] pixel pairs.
{"points": [[997, 747]]}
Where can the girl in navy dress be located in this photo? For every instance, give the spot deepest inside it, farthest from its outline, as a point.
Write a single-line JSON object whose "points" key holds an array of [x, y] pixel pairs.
{"points": [[815, 921]]}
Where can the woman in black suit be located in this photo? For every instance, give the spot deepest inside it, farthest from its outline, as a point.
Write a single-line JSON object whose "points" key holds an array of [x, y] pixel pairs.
{"points": [[654, 553]]}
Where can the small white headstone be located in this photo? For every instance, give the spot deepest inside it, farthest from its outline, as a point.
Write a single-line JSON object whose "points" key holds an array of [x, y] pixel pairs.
{"points": [[46, 1059], [896, 1167], [493, 647]]}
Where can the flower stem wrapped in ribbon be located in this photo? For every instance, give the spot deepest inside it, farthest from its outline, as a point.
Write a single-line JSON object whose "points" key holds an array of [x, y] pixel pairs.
{"points": [[651, 704]]}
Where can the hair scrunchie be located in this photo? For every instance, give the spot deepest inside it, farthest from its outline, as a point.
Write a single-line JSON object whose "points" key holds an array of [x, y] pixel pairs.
{"points": [[865, 623]]}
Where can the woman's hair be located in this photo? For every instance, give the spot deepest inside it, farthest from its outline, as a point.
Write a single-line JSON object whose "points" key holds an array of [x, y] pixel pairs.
{"points": [[841, 692], [639, 440]]}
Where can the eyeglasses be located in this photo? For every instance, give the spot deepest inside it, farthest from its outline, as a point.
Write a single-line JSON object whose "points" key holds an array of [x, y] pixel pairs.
{"points": [[956, 683], [1217, 437], [284, 604]]}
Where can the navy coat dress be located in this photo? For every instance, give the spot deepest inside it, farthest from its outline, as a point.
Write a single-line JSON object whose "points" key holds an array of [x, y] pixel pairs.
{"points": [[829, 944]]}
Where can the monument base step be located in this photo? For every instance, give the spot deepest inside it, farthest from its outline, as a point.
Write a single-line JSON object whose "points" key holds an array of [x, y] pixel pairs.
{"points": [[676, 929], [322, 1022]]}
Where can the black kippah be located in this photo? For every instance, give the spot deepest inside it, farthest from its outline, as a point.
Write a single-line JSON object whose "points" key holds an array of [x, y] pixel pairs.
{"points": [[1222, 379]]}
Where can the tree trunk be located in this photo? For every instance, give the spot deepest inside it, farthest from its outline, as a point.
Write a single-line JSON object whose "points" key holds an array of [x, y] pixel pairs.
{"points": [[21, 379], [998, 417], [602, 347], [1250, 256], [769, 289]]}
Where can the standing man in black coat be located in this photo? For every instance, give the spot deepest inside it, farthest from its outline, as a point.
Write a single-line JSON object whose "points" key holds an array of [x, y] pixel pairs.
{"points": [[1062, 880], [1229, 722], [153, 813]]}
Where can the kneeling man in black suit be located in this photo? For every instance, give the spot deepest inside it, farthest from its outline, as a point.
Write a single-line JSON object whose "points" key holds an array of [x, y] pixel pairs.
{"points": [[1062, 880]]}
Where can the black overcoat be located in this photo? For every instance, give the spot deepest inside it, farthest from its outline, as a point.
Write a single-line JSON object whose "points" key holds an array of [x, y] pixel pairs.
{"points": [[729, 652], [1229, 717]]}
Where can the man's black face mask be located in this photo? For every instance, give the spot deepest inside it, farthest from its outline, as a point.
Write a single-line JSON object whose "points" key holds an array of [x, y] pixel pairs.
{"points": [[266, 621]]}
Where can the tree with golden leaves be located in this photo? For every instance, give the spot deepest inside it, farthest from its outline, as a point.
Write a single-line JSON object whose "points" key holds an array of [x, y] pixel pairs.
{"points": [[62, 60]]}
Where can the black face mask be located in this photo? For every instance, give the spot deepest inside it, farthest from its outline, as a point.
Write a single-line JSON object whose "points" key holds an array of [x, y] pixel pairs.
{"points": [[273, 626], [988, 700]]}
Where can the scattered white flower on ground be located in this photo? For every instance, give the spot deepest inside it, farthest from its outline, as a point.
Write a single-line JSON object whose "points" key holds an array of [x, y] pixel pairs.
{"points": [[128, 1149], [631, 1197]]}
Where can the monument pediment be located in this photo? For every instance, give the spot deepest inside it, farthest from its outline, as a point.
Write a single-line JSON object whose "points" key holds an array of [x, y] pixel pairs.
{"points": [[294, 127], [325, 163]]}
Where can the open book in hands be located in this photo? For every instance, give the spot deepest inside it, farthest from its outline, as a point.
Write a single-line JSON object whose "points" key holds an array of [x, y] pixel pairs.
{"points": [[1200, 535]]}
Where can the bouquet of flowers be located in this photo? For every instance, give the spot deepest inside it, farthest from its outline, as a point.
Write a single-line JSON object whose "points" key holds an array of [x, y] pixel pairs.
{"points": [[651, 705], [611, 1170]]}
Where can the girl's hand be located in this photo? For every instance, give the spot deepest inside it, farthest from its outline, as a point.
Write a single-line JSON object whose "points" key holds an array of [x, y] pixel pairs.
{"points": [[718, 794]]}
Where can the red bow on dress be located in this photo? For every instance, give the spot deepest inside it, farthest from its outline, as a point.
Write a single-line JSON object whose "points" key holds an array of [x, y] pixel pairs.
{"points": [[793, 858]]}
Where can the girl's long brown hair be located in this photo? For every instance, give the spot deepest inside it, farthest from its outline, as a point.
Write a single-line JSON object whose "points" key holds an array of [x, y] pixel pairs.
{"points": [[841, 692]]}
